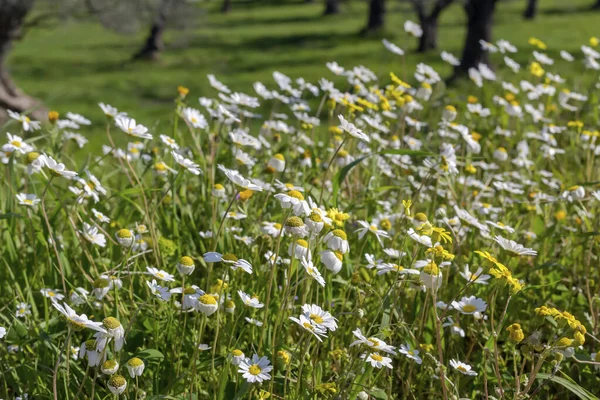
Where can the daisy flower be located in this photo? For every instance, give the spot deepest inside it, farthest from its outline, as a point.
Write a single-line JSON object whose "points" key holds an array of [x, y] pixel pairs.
{"points": [[411, 353], [513, 248], [413, 28], [29, 200], [235, 177], [372, 342], [90, 233], [101, 217], [253, 321], [255, 369], [477, 277], [422, 239], [163, 293], [78, 321], [160, 274], [308, 325], [26, 122], [312, 271], [337, 240], [186, 163], [333, 260], [52, 294], [366, 227], [378, 361], [16, 144], [352, 130], [469, 305], [463, 368], [319, 317], [130, 127], [250, 301], [58, 169]]}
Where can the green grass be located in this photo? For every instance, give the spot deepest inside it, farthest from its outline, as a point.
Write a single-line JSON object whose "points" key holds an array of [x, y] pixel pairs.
{"points": [[72, 66]]}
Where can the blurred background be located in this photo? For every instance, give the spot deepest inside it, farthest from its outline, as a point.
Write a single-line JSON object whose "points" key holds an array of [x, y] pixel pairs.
{"points": [[68, 55]]}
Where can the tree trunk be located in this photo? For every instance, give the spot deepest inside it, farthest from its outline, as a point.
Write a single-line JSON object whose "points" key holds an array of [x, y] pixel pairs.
{"points": [[332, 7], [428, 41], [12, 16], [479, 27], [376, 19], [429, 23], [531, 9], [226, 6], [154, 42]]}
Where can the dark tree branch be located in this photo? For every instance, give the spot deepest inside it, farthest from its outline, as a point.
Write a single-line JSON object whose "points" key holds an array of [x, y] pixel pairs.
{"points": [[429, 22], [376, 19], [12, 19], [531, 9], [479, 27], [332, 7]]}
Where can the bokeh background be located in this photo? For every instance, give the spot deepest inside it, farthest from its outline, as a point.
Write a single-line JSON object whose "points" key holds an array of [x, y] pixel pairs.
{"points": [[73, 55]]}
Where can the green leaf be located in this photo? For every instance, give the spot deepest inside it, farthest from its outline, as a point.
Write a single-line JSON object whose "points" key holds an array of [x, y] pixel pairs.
{"points": [[11, 215], [341, 175], [569, 384], [151, 354]]}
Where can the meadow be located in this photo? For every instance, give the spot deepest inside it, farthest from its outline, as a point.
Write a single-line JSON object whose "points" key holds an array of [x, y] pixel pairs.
{"points": [[279, 209]]}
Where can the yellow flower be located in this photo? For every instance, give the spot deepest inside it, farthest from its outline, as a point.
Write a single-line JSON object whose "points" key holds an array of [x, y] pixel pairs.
{"points": [[407, 204], [515, 333], [183, 91], [536, 69], [537, 43], [337, 216], [594, 41]]}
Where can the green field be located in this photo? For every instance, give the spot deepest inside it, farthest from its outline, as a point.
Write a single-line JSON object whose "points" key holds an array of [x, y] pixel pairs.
{"points": [[74, 65]]}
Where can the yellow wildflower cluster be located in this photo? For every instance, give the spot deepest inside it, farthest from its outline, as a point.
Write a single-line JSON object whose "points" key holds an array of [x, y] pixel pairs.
{"points": [[564, 318], [501, 272]]}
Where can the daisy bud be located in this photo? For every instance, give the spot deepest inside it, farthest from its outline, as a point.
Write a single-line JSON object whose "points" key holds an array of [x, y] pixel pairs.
{"points": [[101, 288], [449, 113], [277, 163], [53, 116], [337, 240], [299, 249], [332, 260], [207, 304], [115, 330], [135, 366], [185, 266], [314, 222], [124, 237], [183, 91], [295, 226], [218, 191], [117, 384], [237, 356], [229, 306], [110, 367], [283, 358]]}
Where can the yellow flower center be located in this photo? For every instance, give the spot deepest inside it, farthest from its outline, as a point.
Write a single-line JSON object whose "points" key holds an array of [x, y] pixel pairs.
{"points": [[207, 299], [254, 369], [376, 357], [469, 308], [317, 318]]}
